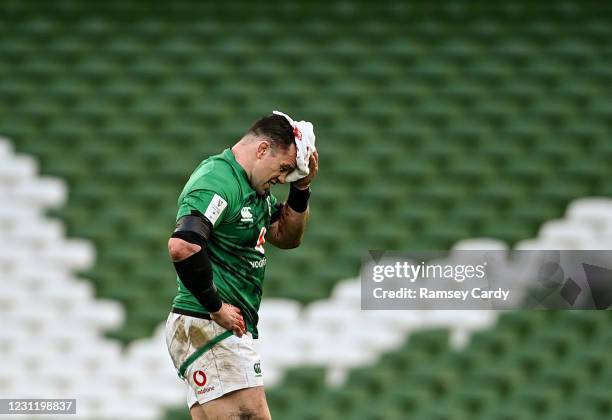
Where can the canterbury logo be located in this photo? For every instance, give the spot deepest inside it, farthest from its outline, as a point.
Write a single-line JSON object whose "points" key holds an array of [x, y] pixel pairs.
{"points": [[246, 215]]}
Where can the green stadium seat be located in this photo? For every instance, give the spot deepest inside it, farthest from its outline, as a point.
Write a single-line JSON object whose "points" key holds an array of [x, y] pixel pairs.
{"points": [[67, 46], [41, 110], [556, 191], [124, 90], [42, 68], [16, 48], [539, 400], [573, 50], [528, 171], [530, 216], [180, 48], [205, 70], [504, 380], [575, 412], [458, 50], [96, 27], [566, 378], [508, 412], [97, 68], [557, 153], [474, 400], [401, 50], [489, 71], [546, 71], [495, 112], [149, 69], [432, 71], [501, 193]]}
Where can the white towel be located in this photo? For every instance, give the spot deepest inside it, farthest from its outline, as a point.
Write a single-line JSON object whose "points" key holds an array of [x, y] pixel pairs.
{"points": [[305, 145]]}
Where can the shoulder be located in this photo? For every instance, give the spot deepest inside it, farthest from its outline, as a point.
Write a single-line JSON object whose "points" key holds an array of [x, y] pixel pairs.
{"points": [[214, 168], [214, 174], [212, 189]]}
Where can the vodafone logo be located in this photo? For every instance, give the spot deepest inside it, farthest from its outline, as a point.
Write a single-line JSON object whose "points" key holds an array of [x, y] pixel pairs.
{"points": [[199, 378]]}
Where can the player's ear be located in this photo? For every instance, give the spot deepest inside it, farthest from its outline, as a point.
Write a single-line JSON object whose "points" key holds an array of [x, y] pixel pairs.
{"points": [[262, 148]]}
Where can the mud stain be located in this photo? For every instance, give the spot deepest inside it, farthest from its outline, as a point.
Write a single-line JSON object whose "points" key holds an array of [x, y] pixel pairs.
{"points": [[179, 331], [198, 336], [230, 368]]}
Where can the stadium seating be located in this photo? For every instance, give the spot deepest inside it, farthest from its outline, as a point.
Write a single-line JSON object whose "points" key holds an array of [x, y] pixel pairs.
{"points": [[52, 324], [319, 335], [436, 122], [492, 378]]}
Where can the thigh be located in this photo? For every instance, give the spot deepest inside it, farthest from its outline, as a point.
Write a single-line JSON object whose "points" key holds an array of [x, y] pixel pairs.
{"points": [[244, 404], [197, 413]]}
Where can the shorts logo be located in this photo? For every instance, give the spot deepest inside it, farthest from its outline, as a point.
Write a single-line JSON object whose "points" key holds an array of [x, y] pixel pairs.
{"points": [[199, 378], [257, 368], [246, 215], [205, 390]]}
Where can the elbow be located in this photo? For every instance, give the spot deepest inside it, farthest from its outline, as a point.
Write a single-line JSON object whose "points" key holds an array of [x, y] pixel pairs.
{"points": [[179, 249], [286, 243], [294, 243], [175, 249]]}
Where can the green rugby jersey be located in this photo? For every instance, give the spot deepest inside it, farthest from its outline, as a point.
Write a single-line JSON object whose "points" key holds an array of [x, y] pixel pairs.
{"points": [[220, 190]]}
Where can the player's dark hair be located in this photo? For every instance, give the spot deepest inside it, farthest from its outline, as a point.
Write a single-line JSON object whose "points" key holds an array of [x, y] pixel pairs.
{"points": [[276, 128]]}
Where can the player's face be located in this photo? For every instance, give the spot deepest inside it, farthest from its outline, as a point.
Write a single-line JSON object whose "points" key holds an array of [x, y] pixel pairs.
{"points": [[272, 167]]}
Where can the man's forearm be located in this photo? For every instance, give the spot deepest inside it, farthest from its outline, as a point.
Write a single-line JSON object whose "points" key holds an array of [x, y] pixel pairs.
{"points": [[290, 228], [295, 223], [287, 231]]}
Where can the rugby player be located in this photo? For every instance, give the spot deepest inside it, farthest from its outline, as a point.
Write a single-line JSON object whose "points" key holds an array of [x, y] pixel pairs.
{"points": [[226, 215]]}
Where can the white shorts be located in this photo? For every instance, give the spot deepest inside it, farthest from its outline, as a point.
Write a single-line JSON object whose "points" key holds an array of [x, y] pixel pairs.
{"points": [[229, 365]]}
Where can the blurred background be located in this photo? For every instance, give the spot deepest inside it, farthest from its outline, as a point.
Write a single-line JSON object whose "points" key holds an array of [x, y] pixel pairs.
{"points": [[439, 125]]}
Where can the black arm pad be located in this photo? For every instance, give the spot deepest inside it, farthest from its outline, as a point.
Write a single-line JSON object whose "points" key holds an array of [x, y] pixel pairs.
{"points": [[195, 271], [193, 228], [196, 274]]}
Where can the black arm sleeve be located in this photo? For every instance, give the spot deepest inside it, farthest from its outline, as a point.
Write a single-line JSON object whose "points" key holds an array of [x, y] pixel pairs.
{"points": [[195, 271], [196, 274]]}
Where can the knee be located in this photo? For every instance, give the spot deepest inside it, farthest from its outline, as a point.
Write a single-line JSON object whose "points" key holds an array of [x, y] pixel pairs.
{"points": [[247, 413]]}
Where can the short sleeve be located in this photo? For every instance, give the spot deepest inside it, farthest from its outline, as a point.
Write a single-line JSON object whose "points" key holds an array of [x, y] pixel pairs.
{"points": [[213, 205], [214, 193]]}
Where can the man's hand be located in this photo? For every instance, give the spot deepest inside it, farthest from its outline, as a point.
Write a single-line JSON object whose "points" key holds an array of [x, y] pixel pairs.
{"points": [[313, 166], [230, 318]]}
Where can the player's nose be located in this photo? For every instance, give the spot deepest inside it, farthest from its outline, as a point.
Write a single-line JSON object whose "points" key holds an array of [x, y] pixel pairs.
{"points": [[281, 179]]}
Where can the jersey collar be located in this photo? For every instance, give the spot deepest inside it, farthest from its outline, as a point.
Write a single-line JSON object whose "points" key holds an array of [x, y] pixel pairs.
{"points": [[229, 156]]}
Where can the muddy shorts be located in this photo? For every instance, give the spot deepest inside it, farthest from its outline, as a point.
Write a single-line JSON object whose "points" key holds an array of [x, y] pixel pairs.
{"points": [[211, 360]]}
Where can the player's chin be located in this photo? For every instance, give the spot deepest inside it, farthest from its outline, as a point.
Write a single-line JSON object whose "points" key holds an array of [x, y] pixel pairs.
{"points": [[264, 189]]}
